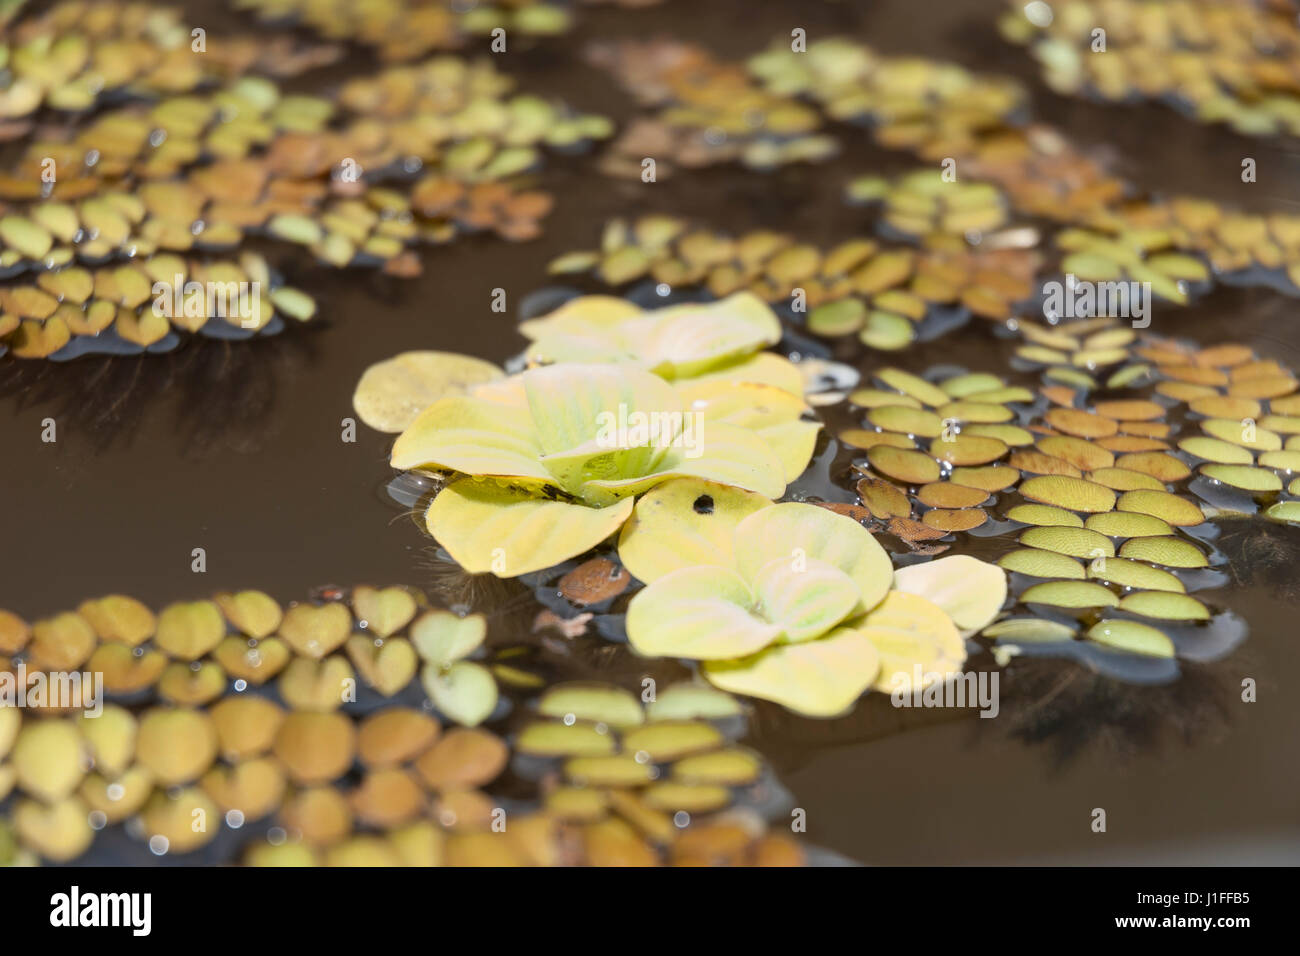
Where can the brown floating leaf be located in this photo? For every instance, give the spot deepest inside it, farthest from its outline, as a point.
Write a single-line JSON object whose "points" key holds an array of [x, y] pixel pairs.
{"points": [[253, 661], [60, 643], [119, 618], [1074, 421], [387, 797], [960, 519], [912, 467], [595, 580], [321, 815], [315, 747], [464, 757], [250, 612], [883, 499], [394, 736], [246, 726], [253, 788]]}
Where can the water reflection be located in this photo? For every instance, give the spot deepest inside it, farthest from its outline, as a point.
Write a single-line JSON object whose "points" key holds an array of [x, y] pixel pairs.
{"points": [[219, 395]]}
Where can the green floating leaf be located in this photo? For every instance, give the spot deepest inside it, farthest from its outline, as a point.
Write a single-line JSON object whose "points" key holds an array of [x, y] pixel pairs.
{"points": [[551, 738], [602, 703], [442, 638], [1029, 630], [1070, 594], [1165, 605], [465, 693], [1285, 511], [1042, 564], [1134, 574], [1131, 636], [693, 702]]}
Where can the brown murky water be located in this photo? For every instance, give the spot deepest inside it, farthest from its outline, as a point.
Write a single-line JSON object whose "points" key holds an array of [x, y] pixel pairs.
{"points": [[236, 448]]}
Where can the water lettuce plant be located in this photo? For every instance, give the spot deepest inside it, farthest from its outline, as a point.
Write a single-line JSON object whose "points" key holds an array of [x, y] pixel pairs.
{"points": [[722, 339], [546, 464], [804, 607]]}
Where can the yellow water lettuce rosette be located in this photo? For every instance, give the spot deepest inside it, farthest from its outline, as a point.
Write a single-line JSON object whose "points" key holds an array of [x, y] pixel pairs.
{"points": [[545, 465], [799, 605], [716, 340]]}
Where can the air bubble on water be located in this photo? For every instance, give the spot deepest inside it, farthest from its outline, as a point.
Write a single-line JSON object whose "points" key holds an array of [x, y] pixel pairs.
{"points": [[276, 836], [642, 756], [234, 819], [97, 819], [569, 720], [158, 844], [663, 290], [115, 791], [240, 685], [681, 819]]}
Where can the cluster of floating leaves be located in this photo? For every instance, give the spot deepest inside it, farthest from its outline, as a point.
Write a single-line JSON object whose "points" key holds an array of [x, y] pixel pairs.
{"points": [[80, 54], [1002, 157], [246, 712], [933, 108], [1102, 492], [705, 112], [880, 292], [922, 203], [75, 310], [1218, 62], [413, 154], [1238, 247], [632, 775], [405, 29]]}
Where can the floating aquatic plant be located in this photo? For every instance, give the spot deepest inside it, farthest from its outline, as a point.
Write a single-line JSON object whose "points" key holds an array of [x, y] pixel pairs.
{"points": [[166, 190], [799, 609], [388, 784], [546, 464], [1143, 42], [879, 292], [705, 112]]}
